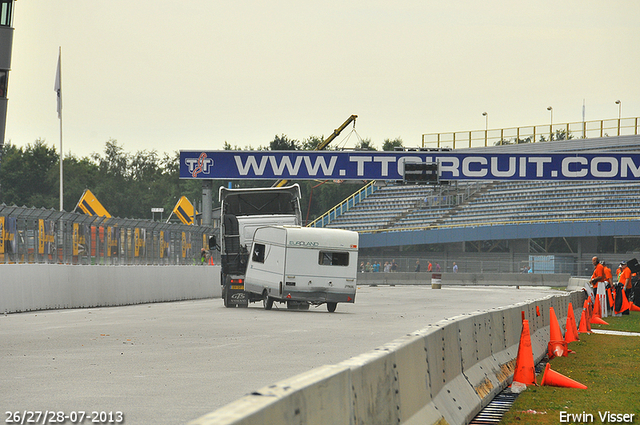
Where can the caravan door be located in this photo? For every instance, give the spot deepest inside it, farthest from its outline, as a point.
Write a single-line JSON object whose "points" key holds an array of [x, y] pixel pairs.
{"points": [[266, 266]]}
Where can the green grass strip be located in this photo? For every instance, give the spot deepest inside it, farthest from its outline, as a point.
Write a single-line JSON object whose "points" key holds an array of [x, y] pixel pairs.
{"points": [[609, 365]]}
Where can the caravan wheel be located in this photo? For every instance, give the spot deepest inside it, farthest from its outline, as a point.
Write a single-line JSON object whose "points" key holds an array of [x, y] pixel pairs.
{"points": [[331, 307], [267, 301]]}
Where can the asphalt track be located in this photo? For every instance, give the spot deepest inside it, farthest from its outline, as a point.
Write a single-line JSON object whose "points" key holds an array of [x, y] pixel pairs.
{"points": [[169, 363]]}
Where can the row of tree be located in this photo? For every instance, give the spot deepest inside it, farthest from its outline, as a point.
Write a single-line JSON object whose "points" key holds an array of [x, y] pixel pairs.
{"points": [[130, 184]]}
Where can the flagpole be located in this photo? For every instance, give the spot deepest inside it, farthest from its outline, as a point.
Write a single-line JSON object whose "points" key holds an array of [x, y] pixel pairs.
{"points": [[59, 90]]}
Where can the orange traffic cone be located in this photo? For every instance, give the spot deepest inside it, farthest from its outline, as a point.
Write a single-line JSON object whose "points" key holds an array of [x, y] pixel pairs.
{"points": [[571, 334], [596, 318], [538, 311], [633, 307], [596, 307], [626, 305], [583, 320], [557, 346], [555, 379], [525, 372]]}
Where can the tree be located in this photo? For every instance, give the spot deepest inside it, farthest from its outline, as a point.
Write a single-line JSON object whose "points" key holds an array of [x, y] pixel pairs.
{"points": [[26, 177], [283, 143], [558, 135], [312, 142], [365, 145], [390, 145]]}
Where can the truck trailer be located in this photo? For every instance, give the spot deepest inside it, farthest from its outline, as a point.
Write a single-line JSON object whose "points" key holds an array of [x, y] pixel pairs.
{"points": [[300, 266], [242, 211]]}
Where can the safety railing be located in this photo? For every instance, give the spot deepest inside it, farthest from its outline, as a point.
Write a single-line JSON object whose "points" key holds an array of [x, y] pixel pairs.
{"points": [[469, 264], [532, 134], [31, 235], [432, 226], [343, 206]]}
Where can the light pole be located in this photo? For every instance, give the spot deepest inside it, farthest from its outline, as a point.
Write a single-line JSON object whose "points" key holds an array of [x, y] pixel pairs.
{"points": [[619, 114], [550, 109], [486, 127]]}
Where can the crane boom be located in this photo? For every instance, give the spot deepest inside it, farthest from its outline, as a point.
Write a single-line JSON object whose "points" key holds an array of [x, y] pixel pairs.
{"points": [[324, 144]]}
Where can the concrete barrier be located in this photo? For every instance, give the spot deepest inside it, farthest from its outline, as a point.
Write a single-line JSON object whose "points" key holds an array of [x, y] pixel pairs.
{"points": [[444, 373], [501, 279], [29, 287], [577, 283]]}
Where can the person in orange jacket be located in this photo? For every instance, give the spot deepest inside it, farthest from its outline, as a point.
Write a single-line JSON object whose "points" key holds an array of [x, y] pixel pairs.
{"points": [[608, 282], [624, 282], [598, 274], [608, 277]]}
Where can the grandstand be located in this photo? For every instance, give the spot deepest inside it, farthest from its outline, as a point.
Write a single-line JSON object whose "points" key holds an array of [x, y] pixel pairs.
{"points": [[506, 202], [517, 211]]}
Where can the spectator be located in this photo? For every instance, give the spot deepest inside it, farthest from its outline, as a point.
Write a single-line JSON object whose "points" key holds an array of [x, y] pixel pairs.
{"points": [[394, 266], [417, 266], [429, 267], [437, 267], [203, 256], [598, 274], [624, 282], [455, 267]]}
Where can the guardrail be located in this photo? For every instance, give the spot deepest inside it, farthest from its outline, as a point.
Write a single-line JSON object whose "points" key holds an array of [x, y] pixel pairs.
{"points": [[32, 287], [445, 373], [532, 134], [497, 279], [343, 206], [31, 235], [500, 223]]}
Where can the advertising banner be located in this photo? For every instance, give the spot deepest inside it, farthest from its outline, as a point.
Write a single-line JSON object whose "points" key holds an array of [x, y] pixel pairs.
{"points": [[374, 165]]}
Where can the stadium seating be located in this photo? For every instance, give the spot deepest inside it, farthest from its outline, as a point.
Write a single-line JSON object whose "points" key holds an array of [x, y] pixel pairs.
{"points": [[508, 202], [396, 207]]}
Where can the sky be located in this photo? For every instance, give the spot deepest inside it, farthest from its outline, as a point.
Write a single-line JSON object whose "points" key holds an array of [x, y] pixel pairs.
{"points": [[193, 74]]}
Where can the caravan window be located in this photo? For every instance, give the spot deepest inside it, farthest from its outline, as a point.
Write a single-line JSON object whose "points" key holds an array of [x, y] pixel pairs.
{"points": [[258, 253], [328, 258]]}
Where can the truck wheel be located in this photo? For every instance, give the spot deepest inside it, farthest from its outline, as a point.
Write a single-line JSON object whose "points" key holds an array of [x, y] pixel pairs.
{"points": [[331, 307], [224, 297], [267, 301]]}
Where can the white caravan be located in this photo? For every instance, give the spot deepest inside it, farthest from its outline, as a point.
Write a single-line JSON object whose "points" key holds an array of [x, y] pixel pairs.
{"points": [[302, 266]]}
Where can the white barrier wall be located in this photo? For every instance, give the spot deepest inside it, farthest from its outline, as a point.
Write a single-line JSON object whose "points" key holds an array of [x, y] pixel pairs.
{"points": [[500, 279], [28, 287], [445, 373]]}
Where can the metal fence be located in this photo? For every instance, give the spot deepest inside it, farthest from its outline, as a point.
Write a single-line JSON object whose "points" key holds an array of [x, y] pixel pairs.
{"points": [[472, 264], [532, 133], [31, 235]]}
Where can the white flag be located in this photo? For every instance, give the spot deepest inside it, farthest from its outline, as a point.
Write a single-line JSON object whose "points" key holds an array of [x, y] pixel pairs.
{"points": [[58, 87]]}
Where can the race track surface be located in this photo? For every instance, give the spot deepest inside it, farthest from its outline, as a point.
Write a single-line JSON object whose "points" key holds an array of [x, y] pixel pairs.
{"points": [[169, 363]]}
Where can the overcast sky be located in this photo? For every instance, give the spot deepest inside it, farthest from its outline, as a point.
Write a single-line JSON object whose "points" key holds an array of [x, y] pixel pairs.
{"points": [[192, 74]]}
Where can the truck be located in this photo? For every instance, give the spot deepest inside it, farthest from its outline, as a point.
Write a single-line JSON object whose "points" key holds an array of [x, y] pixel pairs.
{"points": [[242, 211], [300, 266]]}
